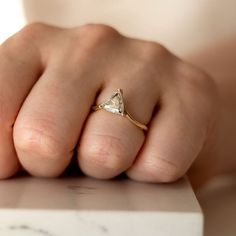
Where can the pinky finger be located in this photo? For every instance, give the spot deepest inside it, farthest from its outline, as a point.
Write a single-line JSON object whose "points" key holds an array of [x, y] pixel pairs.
{"points": [[171, 146]]}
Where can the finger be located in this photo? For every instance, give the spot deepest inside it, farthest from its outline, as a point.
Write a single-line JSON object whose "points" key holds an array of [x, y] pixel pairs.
{"points": [[20, 66], [110, 143], [49, 123], [176, 136]]}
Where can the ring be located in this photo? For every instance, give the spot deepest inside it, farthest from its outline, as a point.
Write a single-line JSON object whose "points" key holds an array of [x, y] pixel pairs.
{"points": [[115, 104]]}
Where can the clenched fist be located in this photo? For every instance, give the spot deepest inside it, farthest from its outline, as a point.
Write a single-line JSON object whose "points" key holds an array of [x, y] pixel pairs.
{"points": [[51, 77]]}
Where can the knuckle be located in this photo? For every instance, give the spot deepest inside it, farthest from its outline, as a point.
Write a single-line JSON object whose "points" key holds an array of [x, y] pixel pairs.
{"points": [[92, 36], [200, 85], [20, 42], [206, 85], [98, 32], [106, 153], [28, 33], [197, 78], [153, 56], [39, 141], [33, 30], [154, 51], [24, 40], [162, 170]]}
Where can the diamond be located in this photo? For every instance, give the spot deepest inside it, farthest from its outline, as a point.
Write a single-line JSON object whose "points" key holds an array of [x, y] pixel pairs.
{"points": [[115, 104]]}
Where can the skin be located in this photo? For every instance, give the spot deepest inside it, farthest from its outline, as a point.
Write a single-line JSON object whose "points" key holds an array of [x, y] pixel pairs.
{"points": [[49, 79], [218, 61]]}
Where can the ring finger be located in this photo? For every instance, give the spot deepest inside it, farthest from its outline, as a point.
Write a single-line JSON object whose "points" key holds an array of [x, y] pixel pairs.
{"points": [[110, 143]]}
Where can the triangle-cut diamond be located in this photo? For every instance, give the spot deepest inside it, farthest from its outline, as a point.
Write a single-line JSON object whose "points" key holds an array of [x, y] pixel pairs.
{"points": [[115, 104]]}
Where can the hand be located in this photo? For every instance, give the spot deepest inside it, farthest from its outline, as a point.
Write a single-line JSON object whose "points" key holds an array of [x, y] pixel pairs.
{"points": [[50, 78]]}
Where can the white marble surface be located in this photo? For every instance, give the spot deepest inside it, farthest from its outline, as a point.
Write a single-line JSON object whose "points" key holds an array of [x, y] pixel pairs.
{"points": [[82, 206]]}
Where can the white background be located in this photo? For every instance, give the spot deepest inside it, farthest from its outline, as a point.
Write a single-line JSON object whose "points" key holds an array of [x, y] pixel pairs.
{"points": [[11, 18]]}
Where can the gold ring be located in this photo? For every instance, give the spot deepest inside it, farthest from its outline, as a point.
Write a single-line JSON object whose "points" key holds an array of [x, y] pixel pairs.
{"points": [[115, 104]]}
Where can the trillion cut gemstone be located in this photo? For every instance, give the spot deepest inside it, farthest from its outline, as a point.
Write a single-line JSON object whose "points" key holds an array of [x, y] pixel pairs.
{"points": [[115, 104]]}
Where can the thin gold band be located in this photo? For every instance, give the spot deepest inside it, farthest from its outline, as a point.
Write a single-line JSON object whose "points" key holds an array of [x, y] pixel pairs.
{"points": [[140, 125]]}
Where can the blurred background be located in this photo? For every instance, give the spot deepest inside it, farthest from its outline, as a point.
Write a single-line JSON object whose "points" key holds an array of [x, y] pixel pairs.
{"points": [[185, 27]]}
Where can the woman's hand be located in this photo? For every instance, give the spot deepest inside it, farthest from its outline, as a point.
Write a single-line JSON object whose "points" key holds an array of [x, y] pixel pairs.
{"points": [[51, 77]]}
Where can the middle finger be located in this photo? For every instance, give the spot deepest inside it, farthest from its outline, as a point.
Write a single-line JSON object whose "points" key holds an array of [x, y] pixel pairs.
{"points": [[50, 120], [110, 143]]}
